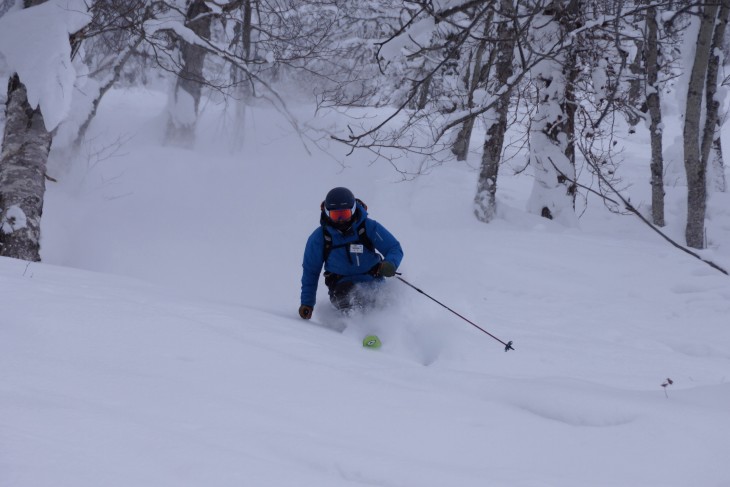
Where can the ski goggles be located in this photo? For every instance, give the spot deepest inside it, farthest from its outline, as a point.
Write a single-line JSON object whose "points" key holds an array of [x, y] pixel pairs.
{"points": [[340, 215]]}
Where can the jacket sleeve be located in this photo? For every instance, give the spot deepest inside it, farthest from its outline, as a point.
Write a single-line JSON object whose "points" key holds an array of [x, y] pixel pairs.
{"points": [[312, 266], [385, 243]]}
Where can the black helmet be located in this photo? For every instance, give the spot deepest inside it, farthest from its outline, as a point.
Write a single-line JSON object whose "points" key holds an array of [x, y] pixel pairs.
{"points": [[339, 206], [339, 199]]}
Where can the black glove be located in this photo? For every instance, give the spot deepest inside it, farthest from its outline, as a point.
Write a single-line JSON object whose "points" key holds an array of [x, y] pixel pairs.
{"points": [[305, 311], [383, 269]]}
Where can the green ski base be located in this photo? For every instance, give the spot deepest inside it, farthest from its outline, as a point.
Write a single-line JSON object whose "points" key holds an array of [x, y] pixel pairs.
{"points": [[371, 341]]}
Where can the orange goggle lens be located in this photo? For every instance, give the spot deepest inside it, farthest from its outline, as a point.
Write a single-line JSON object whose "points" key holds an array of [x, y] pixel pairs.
{"points": [[340, 215]]}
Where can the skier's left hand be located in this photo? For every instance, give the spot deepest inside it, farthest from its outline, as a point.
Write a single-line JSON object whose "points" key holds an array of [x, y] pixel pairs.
{"points": [[384, 269]]}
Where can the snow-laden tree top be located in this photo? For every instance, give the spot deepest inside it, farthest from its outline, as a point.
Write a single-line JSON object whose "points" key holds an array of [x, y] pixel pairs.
{"points": [[34, 43]]}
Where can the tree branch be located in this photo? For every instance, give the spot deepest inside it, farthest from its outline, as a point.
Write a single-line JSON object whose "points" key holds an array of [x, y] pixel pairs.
{"points": [[629, 207]]}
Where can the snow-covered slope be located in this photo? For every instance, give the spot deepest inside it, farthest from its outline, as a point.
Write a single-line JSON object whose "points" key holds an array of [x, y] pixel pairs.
{"points": [[190, 367]]}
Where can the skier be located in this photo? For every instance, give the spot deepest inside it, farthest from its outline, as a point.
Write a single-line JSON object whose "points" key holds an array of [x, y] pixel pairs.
{"points": [[357, 254]]}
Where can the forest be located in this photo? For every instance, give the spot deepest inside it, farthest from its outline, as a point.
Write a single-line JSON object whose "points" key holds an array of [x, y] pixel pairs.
{"points": [[548, 81]]}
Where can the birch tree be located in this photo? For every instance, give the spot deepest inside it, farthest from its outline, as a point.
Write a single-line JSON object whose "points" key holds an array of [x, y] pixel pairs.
{"points": [[485, 202], [653, 103], [26, 145], [694, 163], [711, 147], [477, 72], [39, 49]]}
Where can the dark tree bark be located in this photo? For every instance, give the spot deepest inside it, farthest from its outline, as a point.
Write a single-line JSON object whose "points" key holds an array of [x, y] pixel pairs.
{"points": [[25, 149], [186, 97], [461, 145], [485, 203], [634, 94], [694, 164], [719, 182], [569, 105], [244, 47], [717, 160], [22, 175], [711, 149], [655, 116], [423, 92], [246, 31]]}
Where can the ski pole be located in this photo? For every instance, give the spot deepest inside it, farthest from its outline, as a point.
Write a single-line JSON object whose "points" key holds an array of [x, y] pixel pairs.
{"points": [[507, 346]]}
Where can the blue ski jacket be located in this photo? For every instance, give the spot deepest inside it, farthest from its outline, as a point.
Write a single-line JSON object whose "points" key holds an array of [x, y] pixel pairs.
{"points": [[348, 258]]}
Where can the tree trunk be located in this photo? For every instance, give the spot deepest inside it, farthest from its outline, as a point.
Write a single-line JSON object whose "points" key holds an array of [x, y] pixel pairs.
{"points": [[185, 100], [485, 202], [244, 45], [655, 114], [570, 107], [246, 32], [694, 164], [461, 144], [717, 160], [22, 175], [25, 149], [424, 90], [635, 68], [711, 132], [551, 137], [719, 181]]}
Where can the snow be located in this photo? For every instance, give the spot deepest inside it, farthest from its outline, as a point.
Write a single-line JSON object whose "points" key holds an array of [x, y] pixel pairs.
{"points": [[600, 80], [13, 220], [34, 43], [413, 38], [159, 342], [181, 107]]}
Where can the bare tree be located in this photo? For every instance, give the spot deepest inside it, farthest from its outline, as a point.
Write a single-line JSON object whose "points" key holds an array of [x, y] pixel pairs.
{"points": [[110, 41], [637, 72], [25, 149], [711, 149], [243, 45], [477, 73], [717, 161], [486, 67], [485, 198], [651, 55], [694, 162], [185, 99]]}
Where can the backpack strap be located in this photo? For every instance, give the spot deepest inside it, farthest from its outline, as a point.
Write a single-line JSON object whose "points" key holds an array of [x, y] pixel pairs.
{"points": [[327, 243], [362, 237]]}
